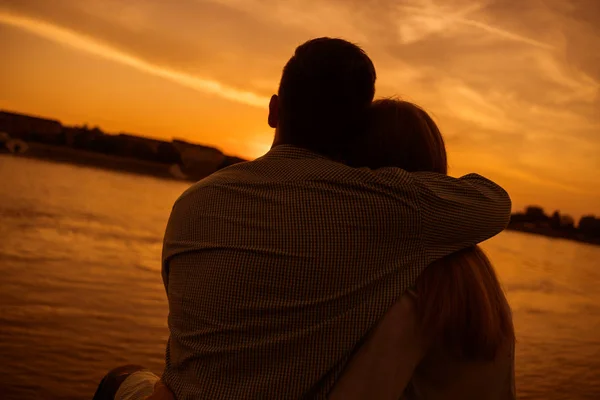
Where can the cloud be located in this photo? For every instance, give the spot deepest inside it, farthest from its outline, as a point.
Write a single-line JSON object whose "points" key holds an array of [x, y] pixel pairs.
{"points": [[580, 85], [90, 45], [128, 14], [314, 18], [427, 18], [505, 34]]}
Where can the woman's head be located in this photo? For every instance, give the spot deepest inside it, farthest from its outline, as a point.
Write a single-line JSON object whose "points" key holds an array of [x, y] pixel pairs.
{"points": [[401, 135], [460, 303]]}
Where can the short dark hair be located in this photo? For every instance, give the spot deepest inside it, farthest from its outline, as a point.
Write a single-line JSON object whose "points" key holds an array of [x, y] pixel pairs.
{"points": [[325, 92]]}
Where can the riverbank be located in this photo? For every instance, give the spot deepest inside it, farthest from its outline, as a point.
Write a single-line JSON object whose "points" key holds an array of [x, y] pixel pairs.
{"points": [[553, 233], [68, 155], [47, 139]]}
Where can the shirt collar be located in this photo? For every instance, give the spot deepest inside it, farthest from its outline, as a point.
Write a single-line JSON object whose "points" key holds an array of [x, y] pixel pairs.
{"points": [[289, 151]]}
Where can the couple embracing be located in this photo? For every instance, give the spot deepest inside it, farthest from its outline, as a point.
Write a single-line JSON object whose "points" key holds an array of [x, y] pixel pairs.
{"points": [[343, 263]]}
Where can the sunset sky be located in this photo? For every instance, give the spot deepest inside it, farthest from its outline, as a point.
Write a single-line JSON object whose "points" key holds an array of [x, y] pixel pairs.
{"points": [[513, 84]]}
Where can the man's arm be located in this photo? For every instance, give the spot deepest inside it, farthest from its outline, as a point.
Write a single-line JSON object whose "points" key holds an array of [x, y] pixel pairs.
{"points": [[457, 213]]}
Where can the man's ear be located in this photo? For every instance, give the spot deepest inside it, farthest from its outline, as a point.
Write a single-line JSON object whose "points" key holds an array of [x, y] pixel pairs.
{"points": [[274, 111]]}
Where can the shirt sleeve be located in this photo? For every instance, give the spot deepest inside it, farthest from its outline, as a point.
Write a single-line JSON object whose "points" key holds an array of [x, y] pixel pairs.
{"points": [[457, 213]]}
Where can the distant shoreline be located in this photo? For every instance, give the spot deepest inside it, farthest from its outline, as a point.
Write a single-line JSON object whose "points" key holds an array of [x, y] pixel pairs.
{"points": [[66, 155], [553, 233], [42, 138]]}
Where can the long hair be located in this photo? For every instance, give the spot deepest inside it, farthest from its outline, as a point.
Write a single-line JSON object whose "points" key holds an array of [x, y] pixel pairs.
{"points": [[460, 303]]}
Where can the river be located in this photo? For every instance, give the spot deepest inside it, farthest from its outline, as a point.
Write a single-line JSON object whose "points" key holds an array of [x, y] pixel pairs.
{"points": [[81, 293]]}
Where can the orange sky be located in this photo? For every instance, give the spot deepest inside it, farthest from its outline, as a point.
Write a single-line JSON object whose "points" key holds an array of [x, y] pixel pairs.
{"points": [[513, 84]]}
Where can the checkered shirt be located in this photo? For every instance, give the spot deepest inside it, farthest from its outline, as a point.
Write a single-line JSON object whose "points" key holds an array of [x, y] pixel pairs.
{"points": [[276, 269]]}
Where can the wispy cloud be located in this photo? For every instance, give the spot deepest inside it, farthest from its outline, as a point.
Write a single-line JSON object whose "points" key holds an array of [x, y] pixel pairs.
{"points": [[503, 33], [427, 18], [92, 46], [581, 86], [315, 17]]}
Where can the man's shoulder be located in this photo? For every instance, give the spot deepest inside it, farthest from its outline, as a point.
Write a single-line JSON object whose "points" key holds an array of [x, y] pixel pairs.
{"points": [[279, 164], [293, 166]]}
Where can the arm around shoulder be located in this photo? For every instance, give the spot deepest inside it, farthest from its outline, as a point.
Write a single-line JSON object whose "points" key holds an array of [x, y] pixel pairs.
{"points": [[457, 213]]}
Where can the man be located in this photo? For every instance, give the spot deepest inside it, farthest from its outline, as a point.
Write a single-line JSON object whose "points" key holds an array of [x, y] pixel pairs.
{"points": [[276, 269]]}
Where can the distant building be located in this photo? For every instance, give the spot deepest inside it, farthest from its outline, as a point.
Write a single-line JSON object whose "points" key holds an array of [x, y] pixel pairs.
{"points": [[150, 149], [535, 216], [81, 137], [152, 144], [230, 160], [184, 145], [70, 135], [167, 153], [558, 221], [566, 221], [536, 213], [127, 145], [197, 160], [590, 225], [24, 126]]}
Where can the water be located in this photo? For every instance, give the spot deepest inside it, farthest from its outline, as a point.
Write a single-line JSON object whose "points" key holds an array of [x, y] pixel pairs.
{"points": [[81, 293]]}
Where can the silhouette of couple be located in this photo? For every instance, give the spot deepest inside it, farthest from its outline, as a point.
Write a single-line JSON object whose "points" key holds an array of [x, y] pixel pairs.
{"points": [[340, 265]]}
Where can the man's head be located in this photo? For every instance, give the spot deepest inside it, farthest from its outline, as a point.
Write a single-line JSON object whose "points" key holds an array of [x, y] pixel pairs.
{"points": [[324, 96]]}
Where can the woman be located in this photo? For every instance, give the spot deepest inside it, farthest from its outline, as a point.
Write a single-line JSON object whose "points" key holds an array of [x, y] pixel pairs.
{"points": [[451, 336]]}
